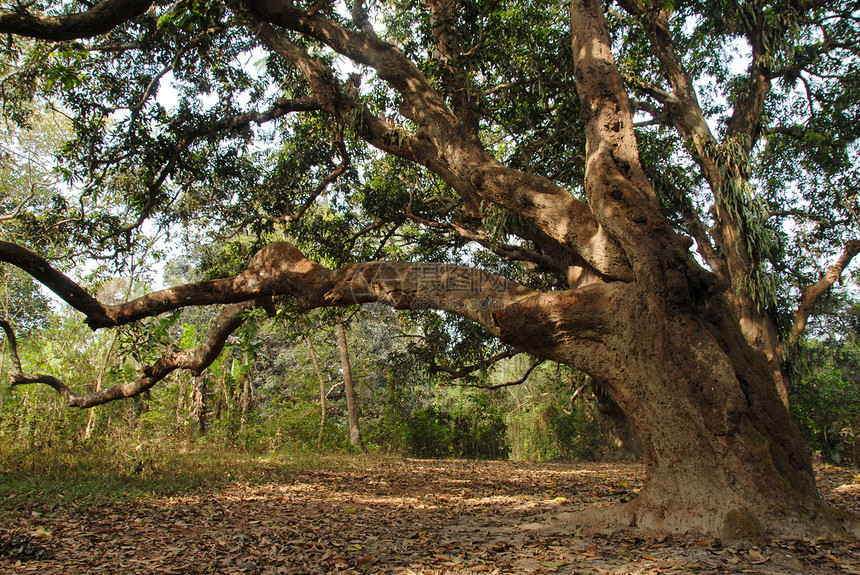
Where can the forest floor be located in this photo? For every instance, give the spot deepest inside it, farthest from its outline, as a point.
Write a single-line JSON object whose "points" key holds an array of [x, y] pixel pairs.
{"points": [[372, 515]]}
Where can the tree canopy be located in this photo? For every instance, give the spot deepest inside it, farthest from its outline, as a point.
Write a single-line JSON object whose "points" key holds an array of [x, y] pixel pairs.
{"points": [[638, 190]]}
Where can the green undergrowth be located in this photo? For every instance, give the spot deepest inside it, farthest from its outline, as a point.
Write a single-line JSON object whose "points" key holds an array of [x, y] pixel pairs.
{"points": [[54, 478]]}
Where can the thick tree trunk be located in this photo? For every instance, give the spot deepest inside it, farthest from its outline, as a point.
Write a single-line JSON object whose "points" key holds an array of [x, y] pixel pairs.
{"points": [[722, 455], [724, 444], [349, 390]]}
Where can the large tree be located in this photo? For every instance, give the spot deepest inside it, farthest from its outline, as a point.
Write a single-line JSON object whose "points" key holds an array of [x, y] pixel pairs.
{"points": [[507, 127]]}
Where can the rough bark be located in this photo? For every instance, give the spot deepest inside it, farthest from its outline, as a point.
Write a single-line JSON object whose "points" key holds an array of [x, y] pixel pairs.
{"points": [[734, 262], [102, 17], [348, 388], [721, 453]]}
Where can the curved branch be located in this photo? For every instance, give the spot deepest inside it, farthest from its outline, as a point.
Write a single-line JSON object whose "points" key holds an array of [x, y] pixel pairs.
{"points": [[196, 360], [13, 348], [501, 306], [422, 104], [19, 209], [65, 288], [483, 364], [519, 381], [281, 269], [381, 133], [101, 18], [17, 376], [812, 293]]}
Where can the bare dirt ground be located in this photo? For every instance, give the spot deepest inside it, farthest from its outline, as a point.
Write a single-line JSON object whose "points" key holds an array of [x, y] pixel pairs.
{"points": [[395, 516]]}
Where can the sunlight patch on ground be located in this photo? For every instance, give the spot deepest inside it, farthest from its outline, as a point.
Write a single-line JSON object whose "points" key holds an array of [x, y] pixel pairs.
{"points": [[395, 517], [848, 489]]}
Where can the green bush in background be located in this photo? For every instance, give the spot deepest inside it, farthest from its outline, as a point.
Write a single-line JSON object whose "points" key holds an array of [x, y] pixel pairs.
{"points": [[825, 401]]}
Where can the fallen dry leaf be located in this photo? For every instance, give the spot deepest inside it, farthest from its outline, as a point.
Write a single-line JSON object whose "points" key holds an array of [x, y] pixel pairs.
{"points": [[394, 516]]}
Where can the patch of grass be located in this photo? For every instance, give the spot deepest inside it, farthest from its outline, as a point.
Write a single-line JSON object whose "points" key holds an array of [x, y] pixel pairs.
{"points": [[52, 479]]}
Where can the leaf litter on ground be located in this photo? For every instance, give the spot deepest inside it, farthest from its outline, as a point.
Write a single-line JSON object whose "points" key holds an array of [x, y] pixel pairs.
{"points": [[396, 516]]}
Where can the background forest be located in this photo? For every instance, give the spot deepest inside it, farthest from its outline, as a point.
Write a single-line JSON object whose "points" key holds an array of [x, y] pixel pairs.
{"points": [[263, 393], [427, 385], [278, 386], [423, 385]]}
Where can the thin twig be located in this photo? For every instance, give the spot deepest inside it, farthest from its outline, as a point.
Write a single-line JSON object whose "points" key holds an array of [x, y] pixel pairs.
{"points": [[519, 381], [483, 364]]}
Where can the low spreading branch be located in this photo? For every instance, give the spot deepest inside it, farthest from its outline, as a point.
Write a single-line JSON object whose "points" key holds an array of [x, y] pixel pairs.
{"points": [[195, 360], [16, 374], [278, 269], [281, 269]]}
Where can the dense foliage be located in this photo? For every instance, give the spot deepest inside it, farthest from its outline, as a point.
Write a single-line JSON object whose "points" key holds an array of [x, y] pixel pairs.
{"points": [[404, 410], [826, 401]]}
